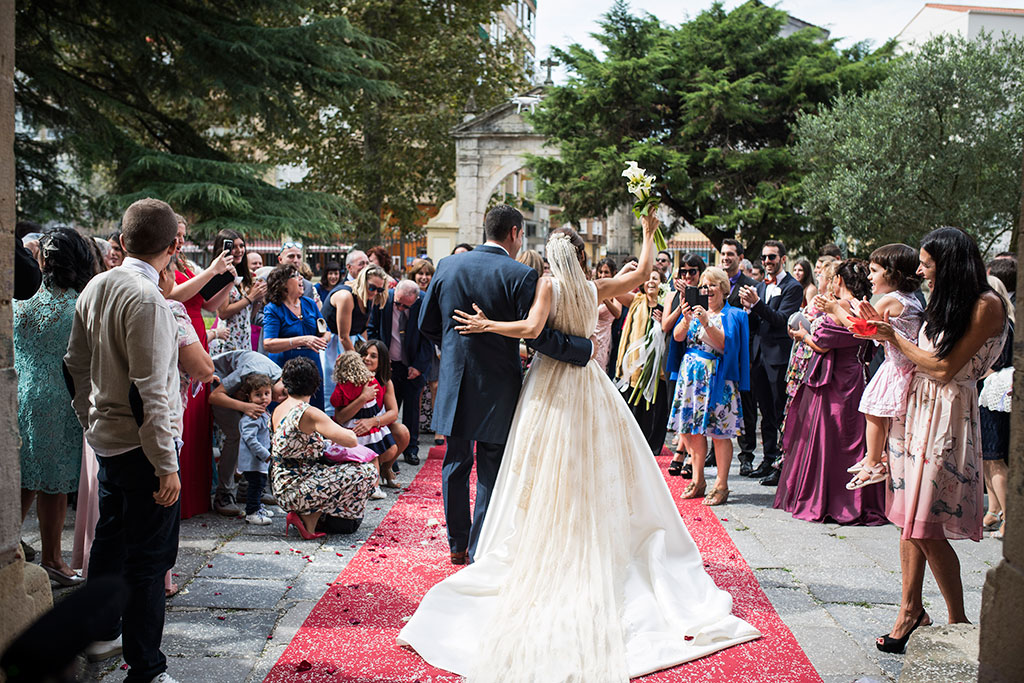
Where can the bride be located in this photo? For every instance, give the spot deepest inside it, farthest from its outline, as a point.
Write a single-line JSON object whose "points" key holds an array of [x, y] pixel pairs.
{"points": [[584, 572]]}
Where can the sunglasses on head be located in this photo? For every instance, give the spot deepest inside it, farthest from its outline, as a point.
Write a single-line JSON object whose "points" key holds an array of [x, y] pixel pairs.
{"points": [[291, 245], [769, 257]]}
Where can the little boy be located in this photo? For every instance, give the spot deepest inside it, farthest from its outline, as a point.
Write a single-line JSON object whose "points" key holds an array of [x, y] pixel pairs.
{"points": [[254, 446]]}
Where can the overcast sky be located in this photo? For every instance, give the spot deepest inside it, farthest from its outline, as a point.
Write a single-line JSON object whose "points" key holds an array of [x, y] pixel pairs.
{"points": [[563, 22]]}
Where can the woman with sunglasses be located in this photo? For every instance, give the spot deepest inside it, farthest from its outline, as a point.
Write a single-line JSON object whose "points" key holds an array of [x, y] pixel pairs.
{"points": [[691, 267], [291, 324], [348, 308]]}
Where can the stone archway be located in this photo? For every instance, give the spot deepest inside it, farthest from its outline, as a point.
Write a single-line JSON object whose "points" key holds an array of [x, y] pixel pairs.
{"points": [[488, 148]]}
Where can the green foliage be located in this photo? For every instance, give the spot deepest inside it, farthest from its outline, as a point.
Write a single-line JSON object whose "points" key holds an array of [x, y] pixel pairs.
{"points": [[938, 143], [389, 156], [180, 99], [707, 107]]}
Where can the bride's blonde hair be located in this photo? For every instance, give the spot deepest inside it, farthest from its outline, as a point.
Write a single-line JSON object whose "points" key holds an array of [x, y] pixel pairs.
{"points": [[575, 306]]}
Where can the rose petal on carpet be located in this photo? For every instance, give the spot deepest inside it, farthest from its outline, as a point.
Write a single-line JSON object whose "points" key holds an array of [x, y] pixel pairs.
{"points": [[350, 634]]}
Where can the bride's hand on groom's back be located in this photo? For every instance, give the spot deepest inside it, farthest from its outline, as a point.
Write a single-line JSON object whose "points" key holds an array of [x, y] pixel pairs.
{"points": [[470, 323]]}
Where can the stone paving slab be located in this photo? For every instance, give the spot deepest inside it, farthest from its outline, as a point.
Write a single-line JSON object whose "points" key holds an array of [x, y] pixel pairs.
{"points": [[231, 593], [287, 565]]}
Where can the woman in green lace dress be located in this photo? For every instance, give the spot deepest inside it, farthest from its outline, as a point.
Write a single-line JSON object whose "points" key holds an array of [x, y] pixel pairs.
{"points": [[51, 436]]}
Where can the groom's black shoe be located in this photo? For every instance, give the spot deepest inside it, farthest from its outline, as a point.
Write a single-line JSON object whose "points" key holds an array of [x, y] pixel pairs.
{"points": [[460, 557], [412, 458], [762, 470], [772, 479]]}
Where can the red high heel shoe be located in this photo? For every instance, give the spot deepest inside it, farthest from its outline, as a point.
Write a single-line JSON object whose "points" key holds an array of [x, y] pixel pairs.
{"points": [[294, 520]]}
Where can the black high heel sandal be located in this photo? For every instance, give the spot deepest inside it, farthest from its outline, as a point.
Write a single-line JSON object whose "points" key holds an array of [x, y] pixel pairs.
{"points": [[675, 468], [898, 646]]}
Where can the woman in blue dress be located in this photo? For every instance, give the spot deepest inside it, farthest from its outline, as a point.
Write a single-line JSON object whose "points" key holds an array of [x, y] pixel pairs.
{"points": [[290, 324], [714, 369], [51, 436]]}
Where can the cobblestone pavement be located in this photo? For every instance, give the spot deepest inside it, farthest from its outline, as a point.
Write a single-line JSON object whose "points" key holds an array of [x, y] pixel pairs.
{"points": [[245, 589]]}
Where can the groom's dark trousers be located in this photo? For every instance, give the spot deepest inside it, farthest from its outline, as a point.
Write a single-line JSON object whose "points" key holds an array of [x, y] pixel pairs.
{"points": [[458, 463], [480, 375]]}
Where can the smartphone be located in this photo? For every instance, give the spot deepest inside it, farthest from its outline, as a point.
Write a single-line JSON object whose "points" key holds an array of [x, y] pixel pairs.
{"points": [[321, 326], [228, 245], [659, 307], [695, 298]]}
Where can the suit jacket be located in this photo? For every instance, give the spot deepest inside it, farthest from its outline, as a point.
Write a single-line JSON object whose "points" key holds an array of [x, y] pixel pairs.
{"points": [[480, 374], [734, 293], [770, 342], [417, 351]]}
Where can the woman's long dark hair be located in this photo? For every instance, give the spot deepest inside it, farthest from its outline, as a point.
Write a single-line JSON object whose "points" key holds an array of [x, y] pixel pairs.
{"points": [[240, 268], [808, 269], [383, 373], [68, 259], [960, 279]]}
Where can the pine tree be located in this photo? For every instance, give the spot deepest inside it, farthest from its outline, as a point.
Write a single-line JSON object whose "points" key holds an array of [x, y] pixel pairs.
{"points": [[185, 100], [707, 106]]}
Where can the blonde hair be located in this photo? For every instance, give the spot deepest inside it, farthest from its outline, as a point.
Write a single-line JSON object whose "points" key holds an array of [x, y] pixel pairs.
{"points": [[531, 258], [716, 277], [362, 292], [350, 369]]}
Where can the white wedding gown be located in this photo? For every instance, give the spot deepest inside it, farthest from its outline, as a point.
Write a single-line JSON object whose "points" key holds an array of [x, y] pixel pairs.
{"points": [[584, 571]]}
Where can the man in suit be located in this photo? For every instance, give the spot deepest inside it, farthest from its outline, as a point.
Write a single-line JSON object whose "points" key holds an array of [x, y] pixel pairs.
{"points": [[480, 375], [732, 257], [776, 298], [397, 325]]}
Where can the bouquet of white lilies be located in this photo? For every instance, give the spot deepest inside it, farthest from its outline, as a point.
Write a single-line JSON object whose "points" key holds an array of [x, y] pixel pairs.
{"points": [[640, 184]]}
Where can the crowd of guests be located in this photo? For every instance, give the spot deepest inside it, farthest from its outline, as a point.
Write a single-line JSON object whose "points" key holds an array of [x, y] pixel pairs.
{"points": [[877, 404], [866, 390]]}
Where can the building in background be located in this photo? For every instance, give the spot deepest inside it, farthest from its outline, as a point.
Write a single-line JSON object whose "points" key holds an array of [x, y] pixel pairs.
{"points": [[968, 20], [516, 25]]}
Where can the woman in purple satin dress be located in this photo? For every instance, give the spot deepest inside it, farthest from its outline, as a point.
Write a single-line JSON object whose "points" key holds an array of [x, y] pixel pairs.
{"points": [[824, 431]]}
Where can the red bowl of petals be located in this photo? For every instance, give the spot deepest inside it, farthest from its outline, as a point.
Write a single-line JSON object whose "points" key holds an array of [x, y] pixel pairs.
{"points": [[863, 327]]}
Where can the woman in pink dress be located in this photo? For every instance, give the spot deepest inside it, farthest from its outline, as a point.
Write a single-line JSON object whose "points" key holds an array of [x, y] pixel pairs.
{"points": [[935, 491], [195, 462], [607, 313]]}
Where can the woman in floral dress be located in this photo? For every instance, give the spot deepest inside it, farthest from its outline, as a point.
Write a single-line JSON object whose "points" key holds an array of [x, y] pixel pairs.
{"points": [[305, 484], [935, 489], [714, 370], [234, 316]]}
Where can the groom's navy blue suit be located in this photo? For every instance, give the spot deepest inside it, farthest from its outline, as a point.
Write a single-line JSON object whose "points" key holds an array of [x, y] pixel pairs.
{"points": [[480, 375]]}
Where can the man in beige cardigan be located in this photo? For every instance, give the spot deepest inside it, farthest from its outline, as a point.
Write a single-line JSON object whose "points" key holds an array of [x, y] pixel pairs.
{"points": [[122, 367]]}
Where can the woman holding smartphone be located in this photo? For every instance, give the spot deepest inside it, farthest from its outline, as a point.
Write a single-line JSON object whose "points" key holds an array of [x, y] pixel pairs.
{"points": [[234, 315], [691, 267], [715, 368]]}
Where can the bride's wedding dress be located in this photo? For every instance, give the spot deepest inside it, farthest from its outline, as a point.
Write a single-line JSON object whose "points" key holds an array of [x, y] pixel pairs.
{"points": [[584, 570]]}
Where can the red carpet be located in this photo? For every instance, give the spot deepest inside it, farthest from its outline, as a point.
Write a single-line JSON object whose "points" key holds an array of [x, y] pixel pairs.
{"points": [[350, 634]]}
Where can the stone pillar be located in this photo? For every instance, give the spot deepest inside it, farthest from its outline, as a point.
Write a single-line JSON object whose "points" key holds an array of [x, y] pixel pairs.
{"points": [[1001, 657], [24, 589]]}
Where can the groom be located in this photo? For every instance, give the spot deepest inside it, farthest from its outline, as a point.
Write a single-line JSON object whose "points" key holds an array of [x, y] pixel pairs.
{"points": [[480, 375]]}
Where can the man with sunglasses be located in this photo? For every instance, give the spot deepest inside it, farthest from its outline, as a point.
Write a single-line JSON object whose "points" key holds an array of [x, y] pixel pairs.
{"points": [[776, 298], [397, 325], [663, 264], [732, 260]]}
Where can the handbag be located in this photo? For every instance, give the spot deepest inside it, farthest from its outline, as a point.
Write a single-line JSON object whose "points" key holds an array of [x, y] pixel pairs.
{"points": [[339, 454]]}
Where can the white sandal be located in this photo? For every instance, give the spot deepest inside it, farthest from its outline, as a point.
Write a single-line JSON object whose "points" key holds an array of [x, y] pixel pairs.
{"points": [[876, 475], [855, 467]]}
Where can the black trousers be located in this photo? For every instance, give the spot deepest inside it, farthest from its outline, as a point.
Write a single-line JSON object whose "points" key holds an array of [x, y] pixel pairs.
{"points": [[747, 441], [768, 384], [407, 394], [458, 463], [137, 540], [653, 420]]}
